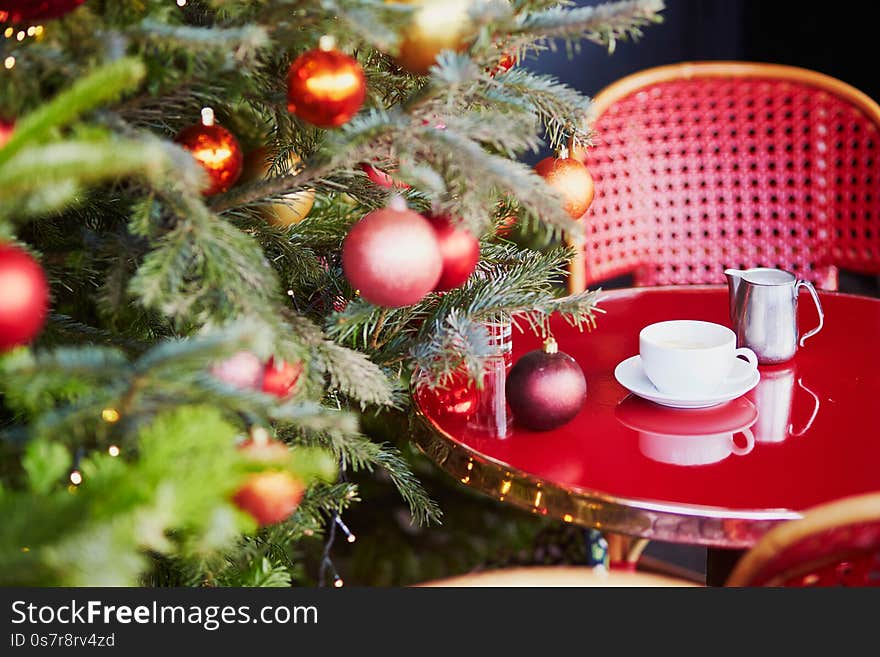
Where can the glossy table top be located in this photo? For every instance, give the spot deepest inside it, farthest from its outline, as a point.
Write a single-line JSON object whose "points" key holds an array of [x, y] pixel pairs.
{"points": [[808, 433]]}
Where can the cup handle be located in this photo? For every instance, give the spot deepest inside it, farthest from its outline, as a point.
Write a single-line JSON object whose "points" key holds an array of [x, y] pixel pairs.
{"points": [[750, 356], [815, 296], [750, 443]]}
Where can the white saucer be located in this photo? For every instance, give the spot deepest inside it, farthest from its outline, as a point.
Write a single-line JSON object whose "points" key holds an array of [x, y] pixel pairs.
{"points": [[631, 376]]}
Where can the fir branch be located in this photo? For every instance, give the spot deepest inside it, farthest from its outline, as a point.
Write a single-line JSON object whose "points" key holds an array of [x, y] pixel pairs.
{"points": [[359, 453], [562, 110], [98, 87], [244, 42], [604, 24]]}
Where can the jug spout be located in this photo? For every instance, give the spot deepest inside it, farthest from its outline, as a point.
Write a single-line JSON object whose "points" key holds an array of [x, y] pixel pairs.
{"points": [[734, 278]]}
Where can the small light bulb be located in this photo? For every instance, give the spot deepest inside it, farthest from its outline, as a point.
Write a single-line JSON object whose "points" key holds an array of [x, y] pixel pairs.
{"points": [[8, 32], [20, 36], [110, 415], [113, 450], [352, 538], [76, 478], [31, 30], [38, 30], [181, 3], [338, 583], [25, 549], [9, 62]]}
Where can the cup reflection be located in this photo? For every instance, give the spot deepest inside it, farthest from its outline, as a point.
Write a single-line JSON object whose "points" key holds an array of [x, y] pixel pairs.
{"points": [[691, 437]]}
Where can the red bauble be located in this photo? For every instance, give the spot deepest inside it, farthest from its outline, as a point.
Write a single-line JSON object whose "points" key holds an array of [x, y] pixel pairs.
{"points": [[216, 149], [459, 250], [18, 11], [6, 129], [505, 63], [506, 226], [24, 297], [571, 179], [392, 257], [381, 178], [459, 398], [270, 497], [545, 389], [280, 377], [325, 87]]}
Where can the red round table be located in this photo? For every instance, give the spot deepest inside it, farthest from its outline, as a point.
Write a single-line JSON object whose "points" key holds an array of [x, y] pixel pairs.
{"points": [[721, 477]]}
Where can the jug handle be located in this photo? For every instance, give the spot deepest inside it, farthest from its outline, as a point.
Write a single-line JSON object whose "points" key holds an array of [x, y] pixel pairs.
{"points": [[815, 296], [816, 405]]}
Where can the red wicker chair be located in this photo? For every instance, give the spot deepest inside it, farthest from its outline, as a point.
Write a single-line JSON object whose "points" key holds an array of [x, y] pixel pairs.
{"points": [[703, 166], [835, 544]]}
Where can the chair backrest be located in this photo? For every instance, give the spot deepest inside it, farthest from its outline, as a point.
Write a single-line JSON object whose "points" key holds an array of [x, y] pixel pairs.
{"points": [[556, 576], [835, 544], [708, 165]]}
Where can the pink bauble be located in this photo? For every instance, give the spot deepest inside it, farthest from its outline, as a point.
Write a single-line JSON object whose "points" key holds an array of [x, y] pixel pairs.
{"points": [[392, 257], [242, 370]]}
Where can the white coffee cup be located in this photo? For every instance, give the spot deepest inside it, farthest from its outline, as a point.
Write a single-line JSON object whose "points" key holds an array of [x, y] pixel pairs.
{"points": [[690, 358]]}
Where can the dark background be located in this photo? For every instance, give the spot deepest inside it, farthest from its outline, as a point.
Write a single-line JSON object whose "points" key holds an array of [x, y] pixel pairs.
{"points": [[835, 38]]}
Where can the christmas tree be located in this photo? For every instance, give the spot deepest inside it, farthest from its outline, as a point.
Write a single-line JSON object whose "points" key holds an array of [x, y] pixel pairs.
{"points": [[233, 234]]}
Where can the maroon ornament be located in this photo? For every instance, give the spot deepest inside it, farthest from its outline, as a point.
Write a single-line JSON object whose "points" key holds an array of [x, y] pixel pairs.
{"points": [[325, 87], [545, 388], [216, 149], [392, 257], [18, 11], [459, 249], [24, 297], [280, 377]]}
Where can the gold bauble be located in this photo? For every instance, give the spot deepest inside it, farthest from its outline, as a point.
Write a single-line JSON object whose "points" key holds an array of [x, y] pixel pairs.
{"points": [[437, 25], [295, 207]]}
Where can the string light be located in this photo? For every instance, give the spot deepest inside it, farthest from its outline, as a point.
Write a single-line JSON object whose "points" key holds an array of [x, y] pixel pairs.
{"points": [[350, 537], [113, 450], [9, 62], [8, 32], [181, 3], [21, 35], [76, 477], [337, 582], [110, 415], [25, 549]]}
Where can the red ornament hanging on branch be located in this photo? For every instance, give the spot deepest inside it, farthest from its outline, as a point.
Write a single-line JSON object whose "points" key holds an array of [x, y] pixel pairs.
{"points": [[216, 149], [459, 250], [280, 377], [381, 178], [24, 297], [19, 11], [392, 256], [545, 388], [325, 87], [571, 179], [273, 495]]}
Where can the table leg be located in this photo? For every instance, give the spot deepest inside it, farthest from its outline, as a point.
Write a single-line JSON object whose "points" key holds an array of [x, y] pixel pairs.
{"points": [[622, 552], [719, 564]]}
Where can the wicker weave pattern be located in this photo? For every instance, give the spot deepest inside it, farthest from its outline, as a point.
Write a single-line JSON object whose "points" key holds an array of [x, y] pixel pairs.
{"points": [[700, 174]]}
